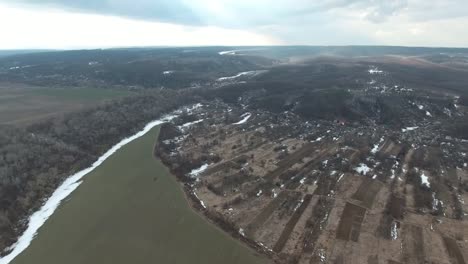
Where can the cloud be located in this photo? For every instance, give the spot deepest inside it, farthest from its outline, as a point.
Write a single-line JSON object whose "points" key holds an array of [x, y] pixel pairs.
{"points": [[159, 10], [380, 13], [324, 22], [244, 13], [57, 29]]}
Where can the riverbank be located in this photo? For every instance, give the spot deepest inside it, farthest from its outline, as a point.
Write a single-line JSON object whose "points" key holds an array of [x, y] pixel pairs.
{"points": [[37, 219], [211, 216], [131, 210]]}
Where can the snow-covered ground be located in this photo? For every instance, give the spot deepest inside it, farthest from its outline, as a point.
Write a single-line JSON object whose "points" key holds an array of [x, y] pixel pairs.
{"points": [[377, 146], [242, 74], [322, 255], [435, 202], [189, 109], [299, 204], [259, 193], [20, 67], [362, 169], [201, 202], [425, 180], [241, 232], [394, 231], [235, 52], [38, 218], [375, 70], [195, 172], [341, 177], [409, 129], [274, 194], [317, 140], [246, 117], [227, 52], [188, 124]]}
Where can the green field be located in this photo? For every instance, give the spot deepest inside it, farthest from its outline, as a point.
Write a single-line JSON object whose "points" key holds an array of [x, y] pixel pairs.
{"points": [[130, 210], [24, 105]]}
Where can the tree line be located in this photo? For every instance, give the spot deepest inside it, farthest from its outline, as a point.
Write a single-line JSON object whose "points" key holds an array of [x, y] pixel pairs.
{"points": [[35, 160]]}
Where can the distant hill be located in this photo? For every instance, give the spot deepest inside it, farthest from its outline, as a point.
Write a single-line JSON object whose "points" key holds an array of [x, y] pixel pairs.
{"points": [[4, 53]]}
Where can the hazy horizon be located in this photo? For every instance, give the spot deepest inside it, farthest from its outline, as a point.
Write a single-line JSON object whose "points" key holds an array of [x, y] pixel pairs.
{"points": [[220, 46], [65, 24]]}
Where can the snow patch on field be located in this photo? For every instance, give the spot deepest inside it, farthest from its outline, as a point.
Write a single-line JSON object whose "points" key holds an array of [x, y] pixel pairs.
{"points": [[322, 256], [259, 193], [241, 74], [394, 168], [20, 67], [198, 198], [409, 129], [241, 232], [195, 172], [202, 204], [362, 169], [299, 204], [394, 231], [376, 146], [227, 52], [191, 123], [302, 181], [435, 202], [341, 177], [425, 180], [38, 218], [375, 70], [246, 117], [189, 109], [274, 194]]}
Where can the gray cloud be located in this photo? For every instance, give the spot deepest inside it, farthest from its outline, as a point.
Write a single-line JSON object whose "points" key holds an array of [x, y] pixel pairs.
{"points": [[297, 21], [379, 13], [172, 11], [197, 12], [258, 12]]}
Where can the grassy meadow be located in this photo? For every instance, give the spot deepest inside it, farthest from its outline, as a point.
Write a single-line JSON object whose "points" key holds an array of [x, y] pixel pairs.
{"points": [[22, 105]]}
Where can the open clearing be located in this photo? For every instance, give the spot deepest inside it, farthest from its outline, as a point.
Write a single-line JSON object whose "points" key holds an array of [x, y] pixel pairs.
{"points": [[350, 223], [20, 105], [131, 210]]}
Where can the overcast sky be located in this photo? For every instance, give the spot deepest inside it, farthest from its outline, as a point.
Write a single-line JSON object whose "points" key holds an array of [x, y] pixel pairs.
{"points": [[69, 24]]}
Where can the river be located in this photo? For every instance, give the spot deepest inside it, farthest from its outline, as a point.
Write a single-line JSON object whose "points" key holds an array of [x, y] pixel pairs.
{"points": [[130, 209]]}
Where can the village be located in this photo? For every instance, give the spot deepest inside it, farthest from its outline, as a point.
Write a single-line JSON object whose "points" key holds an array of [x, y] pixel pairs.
{"points": [[323, 191]]}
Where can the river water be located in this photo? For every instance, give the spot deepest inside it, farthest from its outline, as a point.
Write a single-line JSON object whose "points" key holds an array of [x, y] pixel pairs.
{"points": [[130, 209]]}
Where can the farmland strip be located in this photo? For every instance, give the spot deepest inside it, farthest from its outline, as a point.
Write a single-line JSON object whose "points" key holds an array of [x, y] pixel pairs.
{"points": [[291, 224], [454, 251], [350, 222], [261, 218]]}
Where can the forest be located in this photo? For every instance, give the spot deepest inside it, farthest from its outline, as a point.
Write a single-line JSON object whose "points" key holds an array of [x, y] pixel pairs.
{"points": [[34, 160]]}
